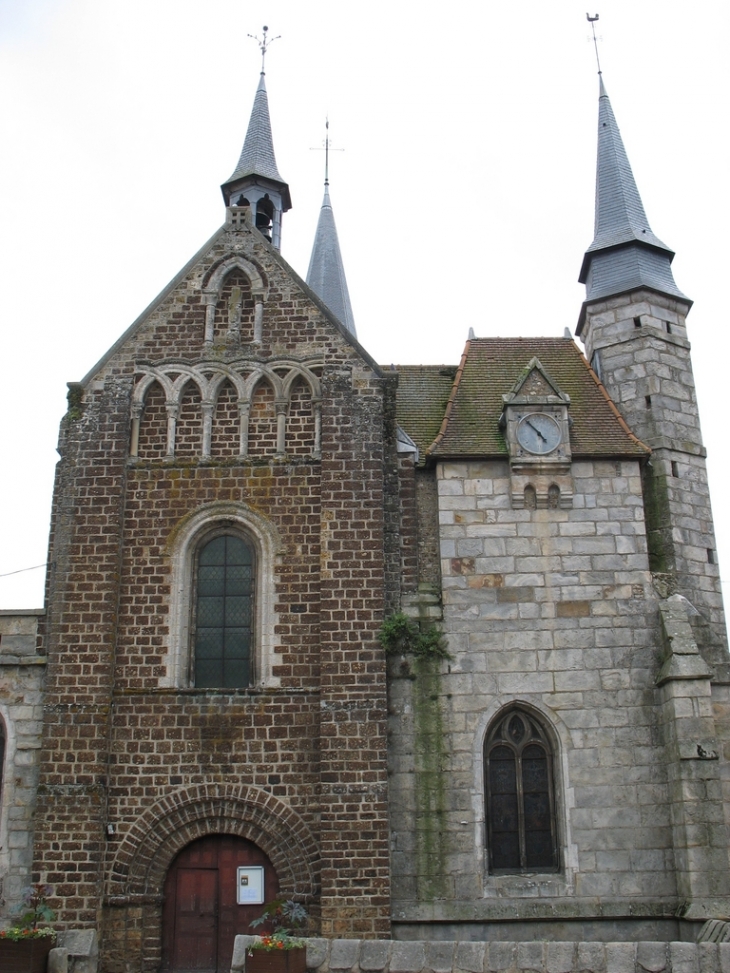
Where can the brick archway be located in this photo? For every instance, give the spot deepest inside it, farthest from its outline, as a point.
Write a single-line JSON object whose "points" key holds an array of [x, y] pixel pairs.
{"points": [[161, 832]]}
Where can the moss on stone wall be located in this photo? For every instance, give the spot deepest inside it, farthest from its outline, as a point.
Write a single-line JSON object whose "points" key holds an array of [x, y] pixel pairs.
{"points": [[658, 521], [430, 791]]}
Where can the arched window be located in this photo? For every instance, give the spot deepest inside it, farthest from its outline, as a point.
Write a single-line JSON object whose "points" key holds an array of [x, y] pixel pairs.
{"points": [[223, 621], [520, 799]]}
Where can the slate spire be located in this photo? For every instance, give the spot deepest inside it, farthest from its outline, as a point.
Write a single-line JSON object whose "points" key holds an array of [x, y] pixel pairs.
{"points": [[326, 274], [257, 155], [256, 181], [625, 253]]}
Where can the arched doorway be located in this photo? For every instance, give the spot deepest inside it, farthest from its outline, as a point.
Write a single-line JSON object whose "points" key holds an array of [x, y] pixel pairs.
{"points": [[201, 915]]}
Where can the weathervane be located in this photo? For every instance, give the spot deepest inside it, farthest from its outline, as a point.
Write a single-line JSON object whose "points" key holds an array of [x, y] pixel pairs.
{"points": [[592, 22], [326, 146], [264, 44]]}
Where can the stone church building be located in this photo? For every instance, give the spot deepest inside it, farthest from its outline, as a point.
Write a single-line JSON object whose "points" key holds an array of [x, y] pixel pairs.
{"points": [[214, 712]]}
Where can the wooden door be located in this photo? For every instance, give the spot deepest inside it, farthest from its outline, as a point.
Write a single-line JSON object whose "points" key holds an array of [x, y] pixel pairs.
{"points": [[195, 945], [201, 917]]}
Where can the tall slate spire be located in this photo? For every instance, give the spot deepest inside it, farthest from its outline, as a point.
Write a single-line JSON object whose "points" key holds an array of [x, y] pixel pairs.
{"points": [[256, 182], [625, 253], [326, 274], [257, 155]]}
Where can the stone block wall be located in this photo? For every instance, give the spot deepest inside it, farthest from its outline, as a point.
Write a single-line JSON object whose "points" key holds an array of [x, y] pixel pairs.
{"points": [[638, 342], [553, 609], [22, 673], [353, 956]]}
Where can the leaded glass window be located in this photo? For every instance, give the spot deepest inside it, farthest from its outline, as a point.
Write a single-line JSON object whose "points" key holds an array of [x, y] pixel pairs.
{"points": [[224, 613], [518, 774]]}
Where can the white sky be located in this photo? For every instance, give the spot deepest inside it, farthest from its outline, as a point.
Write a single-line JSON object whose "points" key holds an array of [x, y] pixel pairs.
{"points": [[464, 196]]}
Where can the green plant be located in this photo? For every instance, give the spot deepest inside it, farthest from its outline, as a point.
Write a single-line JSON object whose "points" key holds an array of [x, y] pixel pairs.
{"points": [[35, 910], [281, 916], [75, 399], [401, 634]]}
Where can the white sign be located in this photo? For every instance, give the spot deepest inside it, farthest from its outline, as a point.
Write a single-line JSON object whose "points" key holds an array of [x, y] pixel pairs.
{"points": [[250, 885]]}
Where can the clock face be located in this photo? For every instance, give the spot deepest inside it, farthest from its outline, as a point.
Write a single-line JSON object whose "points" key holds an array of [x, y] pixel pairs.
{"points": [[538, 433]]}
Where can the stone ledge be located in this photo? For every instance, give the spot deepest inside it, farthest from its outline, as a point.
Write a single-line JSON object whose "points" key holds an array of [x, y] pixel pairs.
{"points": [[22, 660], [390, 956]]}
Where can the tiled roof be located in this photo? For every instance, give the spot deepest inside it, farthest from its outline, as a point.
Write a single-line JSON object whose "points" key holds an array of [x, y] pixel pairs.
{"points": [[489, 369], [423, 393], [326, 274], [625, 253], [257, 155]]}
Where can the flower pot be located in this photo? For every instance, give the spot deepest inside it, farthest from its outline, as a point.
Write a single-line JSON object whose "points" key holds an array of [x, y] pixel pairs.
{"points": [[26, 955], [276, 960]]}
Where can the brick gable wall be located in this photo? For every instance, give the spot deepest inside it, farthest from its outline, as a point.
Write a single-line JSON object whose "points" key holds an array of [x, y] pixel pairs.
{"points": [[125, 734]]}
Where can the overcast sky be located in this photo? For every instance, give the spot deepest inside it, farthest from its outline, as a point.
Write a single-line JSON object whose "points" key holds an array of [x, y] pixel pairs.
{"points": [[463, 196]]}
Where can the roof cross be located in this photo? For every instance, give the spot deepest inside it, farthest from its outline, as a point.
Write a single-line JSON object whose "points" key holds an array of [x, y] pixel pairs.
{"points": [[327, 148], [264, 45], [592, 22]]}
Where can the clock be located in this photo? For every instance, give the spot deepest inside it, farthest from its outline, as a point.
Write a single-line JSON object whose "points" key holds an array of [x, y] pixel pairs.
{"points": [[538, 433]]}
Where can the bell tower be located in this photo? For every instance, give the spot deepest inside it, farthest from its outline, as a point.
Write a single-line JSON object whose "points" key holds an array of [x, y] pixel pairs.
{"points": [[633, 326], [255, 182]]}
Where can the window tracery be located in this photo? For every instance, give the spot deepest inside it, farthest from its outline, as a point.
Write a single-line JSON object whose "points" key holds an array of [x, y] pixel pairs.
{"points": [[520, 795]]}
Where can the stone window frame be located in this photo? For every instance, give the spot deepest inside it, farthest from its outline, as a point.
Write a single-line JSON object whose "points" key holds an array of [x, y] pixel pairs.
{"points": [[183, 545], [541, 739], [213, 286], [559, 883], [219, 529]]}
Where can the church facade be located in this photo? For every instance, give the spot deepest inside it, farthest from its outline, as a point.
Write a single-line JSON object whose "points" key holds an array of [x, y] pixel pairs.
{"points": [[438, 650]]}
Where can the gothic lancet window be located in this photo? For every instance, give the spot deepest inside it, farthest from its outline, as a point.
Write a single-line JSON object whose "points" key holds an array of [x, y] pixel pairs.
{"points": [[223, 634], [520, 796]]}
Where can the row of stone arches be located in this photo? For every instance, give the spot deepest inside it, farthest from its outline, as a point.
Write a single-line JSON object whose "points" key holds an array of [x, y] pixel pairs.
{"points": [[218, 411]]}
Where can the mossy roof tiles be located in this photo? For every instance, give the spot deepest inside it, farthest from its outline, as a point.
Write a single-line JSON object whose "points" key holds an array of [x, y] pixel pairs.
{"points": [[467, 425], [423, 394]]}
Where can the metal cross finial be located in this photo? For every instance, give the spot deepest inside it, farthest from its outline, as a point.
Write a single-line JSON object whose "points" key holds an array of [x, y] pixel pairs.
{"points": [[592, 22], [327, 152], [327, 148], [264, 44]]}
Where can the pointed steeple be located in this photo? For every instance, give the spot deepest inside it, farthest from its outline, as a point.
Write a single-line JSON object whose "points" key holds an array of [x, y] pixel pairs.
{"points": [[625, 253], [326, 274], [257, 156], [256, 181]]}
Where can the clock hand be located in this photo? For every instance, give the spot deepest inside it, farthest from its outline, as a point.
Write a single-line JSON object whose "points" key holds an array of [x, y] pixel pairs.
{"points": [[535, 429]]}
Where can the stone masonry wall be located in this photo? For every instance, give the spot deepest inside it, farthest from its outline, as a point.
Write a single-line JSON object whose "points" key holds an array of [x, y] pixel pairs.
{"points": [[22, 672], [639, 343], [137, 761], [554, 609], [352, 956]]}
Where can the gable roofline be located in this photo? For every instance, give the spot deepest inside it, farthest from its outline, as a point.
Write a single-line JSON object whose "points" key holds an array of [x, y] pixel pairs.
{"points": [[535, 365], [450, 404], [331, 317], [491, 367], [614, 408], [141, 318], [180, 276]]}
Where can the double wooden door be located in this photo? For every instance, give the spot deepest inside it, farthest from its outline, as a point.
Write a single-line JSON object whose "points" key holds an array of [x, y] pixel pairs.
{"points": [[201, 917]]}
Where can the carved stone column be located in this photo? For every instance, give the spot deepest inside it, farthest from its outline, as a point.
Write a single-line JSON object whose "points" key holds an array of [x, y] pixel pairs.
{"points": [[207, 409], [172, 410]]}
